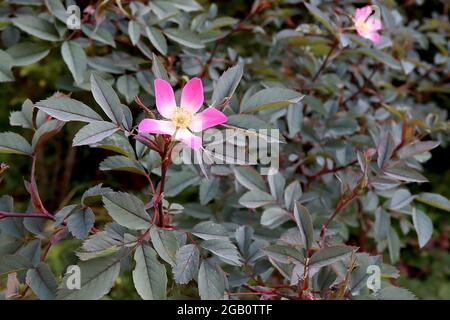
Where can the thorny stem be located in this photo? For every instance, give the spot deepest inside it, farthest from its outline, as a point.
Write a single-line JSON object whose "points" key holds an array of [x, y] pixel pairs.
{"points": [[4, 214]]}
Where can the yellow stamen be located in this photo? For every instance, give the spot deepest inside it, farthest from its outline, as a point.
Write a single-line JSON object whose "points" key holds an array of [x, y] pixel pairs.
{"points": [[181, 118]]}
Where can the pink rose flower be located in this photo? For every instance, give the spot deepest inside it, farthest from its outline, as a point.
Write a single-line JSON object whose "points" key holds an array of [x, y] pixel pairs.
{"points": [[182, 121], [365, 26]]}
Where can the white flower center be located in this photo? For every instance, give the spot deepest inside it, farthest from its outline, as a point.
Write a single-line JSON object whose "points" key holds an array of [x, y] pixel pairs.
{"points": [[362, 26], [182, 118]]}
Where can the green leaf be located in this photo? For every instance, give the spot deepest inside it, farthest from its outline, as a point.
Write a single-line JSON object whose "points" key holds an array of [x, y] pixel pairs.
{"points": [[209, 230], [107, 99], [185, 37], [224, 249], [423, 226], [385, 149], [165, 243], [187, 262], [211, 282], [122, 163], [149, 276], [134, 31], [127, 210], [404, 173], [37, 27], [157, 39], [128, 87], [249, 178], [94, 132], [255, 199], [305, 225], [329, 255], [270, 98], [67, 109], [321, 17], [26, 53], [11, 142], [42, 281], [97, 278], [435, 200], [416, 147], [81, 222], [75, 59], [227, 84]]}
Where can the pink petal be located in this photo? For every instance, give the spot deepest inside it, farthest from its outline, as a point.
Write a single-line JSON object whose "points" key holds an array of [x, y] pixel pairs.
{"points": [[188, 138], [363, 13], [208, 118], [373, 36], [165, 98], [192, 95], [374, 24], [156, 126]]}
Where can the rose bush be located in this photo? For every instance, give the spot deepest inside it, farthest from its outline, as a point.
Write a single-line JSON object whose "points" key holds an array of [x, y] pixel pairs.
{"points": [[357, 93]]}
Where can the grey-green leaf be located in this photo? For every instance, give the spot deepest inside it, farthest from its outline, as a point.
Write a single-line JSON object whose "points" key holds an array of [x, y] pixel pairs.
{"points": [[227, 84], [304, 223], [42, 281], [329, 255], [37, 27], [94, 132], [211, 282], [107, 99], [270, 98], [149, 275], [210, 230], [26, 53], [255, 199], [97, 278], [385, 149], [435, 200], [157, 39], [67, 109], [11, 142], [423, 226], [186, 263], [127, 210], [134, 31], [224, 249], [184, 37], [165, 243], [81, 222], [75, 59], [128, 87]]}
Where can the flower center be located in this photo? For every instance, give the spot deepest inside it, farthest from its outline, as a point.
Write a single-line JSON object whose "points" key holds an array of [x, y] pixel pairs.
{"points": [[362, 26], [181, 118]]}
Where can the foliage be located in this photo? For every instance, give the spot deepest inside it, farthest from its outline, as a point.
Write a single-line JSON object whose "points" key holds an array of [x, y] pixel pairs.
{"points": [[358, 121]]}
